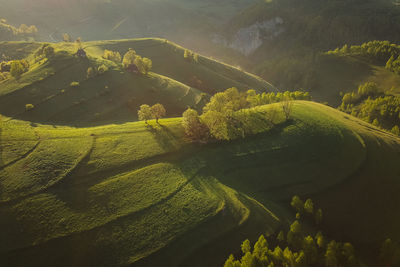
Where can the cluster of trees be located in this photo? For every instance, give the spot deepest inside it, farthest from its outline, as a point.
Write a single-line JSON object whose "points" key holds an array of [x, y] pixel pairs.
{"points": [[306, 209], [302, 248], [190, 55], [371, 104], [380, 51], [130, 59], [18, 67], [25, 29], [14, 68], [113, 56], [227, 116], [393, 64], [255, 99], [46, 51], [156, 112], [10, 33], [93, 71]]}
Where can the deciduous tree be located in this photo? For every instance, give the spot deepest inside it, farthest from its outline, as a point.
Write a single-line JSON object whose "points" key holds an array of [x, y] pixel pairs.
{"points": [[158, 111], [145, 113]]}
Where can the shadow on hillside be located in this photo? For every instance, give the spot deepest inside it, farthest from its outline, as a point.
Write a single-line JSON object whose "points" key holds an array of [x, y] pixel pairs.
{"points": [[164, 136]]}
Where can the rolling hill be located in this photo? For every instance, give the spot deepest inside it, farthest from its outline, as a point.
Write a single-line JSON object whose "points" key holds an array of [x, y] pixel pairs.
{"points": [[327, 76], [138, 195], [62, 93]]}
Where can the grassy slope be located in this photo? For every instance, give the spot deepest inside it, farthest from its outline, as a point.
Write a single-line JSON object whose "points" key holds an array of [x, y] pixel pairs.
{"points": [[115, 95], [137, 194], [336, 74]]}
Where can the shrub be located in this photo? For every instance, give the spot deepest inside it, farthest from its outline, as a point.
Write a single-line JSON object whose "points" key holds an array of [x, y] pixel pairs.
{"points": [[102, 68], [29, 107], [75, 84], [90, 73]]}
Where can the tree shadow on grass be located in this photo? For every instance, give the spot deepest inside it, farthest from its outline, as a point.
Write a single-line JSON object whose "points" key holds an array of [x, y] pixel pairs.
{"points": [[164, 136]]}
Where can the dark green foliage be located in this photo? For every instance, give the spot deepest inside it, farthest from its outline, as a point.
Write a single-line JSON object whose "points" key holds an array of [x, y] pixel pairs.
{"points": [[302, 250], [390, 253], [297, 203]]}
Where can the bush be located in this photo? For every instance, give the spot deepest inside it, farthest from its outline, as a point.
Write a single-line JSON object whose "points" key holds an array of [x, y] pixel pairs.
{"points": [[29, 107], [101, 69], [75, 84], [90, 73]]}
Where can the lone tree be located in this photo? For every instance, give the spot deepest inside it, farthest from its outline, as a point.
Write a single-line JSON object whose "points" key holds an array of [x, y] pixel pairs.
{"points": [[67, 38], [145, 113], [287, 106], [158, 111]]}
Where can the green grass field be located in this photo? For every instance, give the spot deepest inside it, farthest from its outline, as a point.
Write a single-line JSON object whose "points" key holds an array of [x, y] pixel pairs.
{"points": [[113, 96], [132, 194]]}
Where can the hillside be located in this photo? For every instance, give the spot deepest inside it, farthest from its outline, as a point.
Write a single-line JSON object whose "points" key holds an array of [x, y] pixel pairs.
{"points": [[282, 41], [138, 195], [327, 76], [62, 93]]}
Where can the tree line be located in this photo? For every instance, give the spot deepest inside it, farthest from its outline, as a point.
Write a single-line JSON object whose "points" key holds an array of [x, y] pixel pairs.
{"points": [[301, 247], [10, 33], [381, 52], [228, 115], [372, 104]]}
